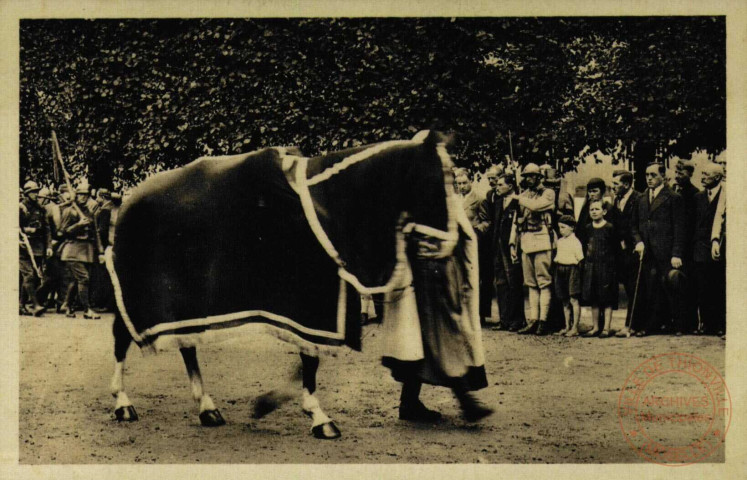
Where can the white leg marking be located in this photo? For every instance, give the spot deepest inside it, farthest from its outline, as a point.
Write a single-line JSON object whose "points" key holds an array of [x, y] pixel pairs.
{"points": [[117, 383], [312, 407], [197, 388], [206, 403], [122, 400]]}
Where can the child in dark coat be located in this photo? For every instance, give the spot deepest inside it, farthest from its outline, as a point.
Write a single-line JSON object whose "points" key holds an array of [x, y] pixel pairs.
{"points": [[600, 287]]}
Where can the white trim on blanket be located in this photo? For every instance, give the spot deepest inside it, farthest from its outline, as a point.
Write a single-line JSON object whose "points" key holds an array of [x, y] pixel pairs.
{"points": [[355, 158], [307, 203], [184, 340], [207, 321], [109, 256]]}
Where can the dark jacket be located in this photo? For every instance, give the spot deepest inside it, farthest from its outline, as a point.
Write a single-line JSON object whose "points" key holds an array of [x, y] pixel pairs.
{"points": [[705, 212], [584, 220], [494, 224], [661, 226], [33, 222], [625, 219], [688, 192], [79, 241]]}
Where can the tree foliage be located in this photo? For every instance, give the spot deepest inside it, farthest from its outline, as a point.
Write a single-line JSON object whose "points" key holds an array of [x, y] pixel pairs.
{"points": [[128, 97]]}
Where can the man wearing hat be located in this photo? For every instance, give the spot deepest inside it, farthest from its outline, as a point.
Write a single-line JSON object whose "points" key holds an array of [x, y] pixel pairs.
{"points": [[34, 245], [659, 233], [79, 250], [532, 234]]}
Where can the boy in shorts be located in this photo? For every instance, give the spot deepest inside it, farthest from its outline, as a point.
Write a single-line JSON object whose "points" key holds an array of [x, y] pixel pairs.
{"points": [[567, 276]]}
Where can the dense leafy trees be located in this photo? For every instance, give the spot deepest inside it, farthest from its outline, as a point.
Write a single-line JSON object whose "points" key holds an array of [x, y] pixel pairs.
{"points": [[127, 97]]}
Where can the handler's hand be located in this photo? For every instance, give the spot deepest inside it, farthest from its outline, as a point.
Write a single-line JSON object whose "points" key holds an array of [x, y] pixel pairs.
{"points": [[676, 262], [102, 259], [50, 252], [514, 255], [84, 221], [716, 250], [639, 249]]}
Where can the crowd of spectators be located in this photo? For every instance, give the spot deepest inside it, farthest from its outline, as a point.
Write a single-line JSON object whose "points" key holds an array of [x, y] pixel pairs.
{"points": [[542, 260]]}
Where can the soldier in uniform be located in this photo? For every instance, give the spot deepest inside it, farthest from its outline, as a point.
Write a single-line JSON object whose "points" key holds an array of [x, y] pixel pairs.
{"points": [[79, 250], [532, 234], [35, 244]]}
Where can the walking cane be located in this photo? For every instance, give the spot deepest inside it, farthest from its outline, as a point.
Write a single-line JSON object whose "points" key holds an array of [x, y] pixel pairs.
{"points": [[635, 296], [27, 244]]}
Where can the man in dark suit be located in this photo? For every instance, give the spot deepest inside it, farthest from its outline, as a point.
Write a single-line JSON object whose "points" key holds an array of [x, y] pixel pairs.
{"points": [[626, 202], [710, 274], [683, 185], [495, 219], [659, 231]]}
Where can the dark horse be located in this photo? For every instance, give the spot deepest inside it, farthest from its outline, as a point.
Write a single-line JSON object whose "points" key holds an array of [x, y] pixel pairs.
{"points": [[272, 241]]}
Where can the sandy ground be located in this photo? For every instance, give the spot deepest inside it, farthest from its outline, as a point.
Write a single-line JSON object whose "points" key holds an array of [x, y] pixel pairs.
{"points": [[555, 399]]}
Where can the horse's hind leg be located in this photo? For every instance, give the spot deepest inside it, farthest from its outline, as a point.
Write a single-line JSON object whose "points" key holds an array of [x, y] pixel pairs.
{"points": [[322, 426], [209, 415], [123, 410]]}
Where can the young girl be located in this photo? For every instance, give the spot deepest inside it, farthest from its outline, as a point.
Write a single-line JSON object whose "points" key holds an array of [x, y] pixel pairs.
{"points": [[567, 277], [600, 276]]}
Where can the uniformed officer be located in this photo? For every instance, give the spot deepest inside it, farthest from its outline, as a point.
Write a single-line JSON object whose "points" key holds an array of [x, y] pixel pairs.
{"points": [[34, 244], [532, 234], [79, 250]]}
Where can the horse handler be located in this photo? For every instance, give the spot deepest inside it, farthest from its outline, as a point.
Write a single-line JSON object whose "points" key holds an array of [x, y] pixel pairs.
{"points": [[432, 327]]}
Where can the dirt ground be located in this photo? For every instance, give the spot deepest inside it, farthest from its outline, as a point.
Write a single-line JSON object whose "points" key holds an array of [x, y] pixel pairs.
{"points": [[555, 399]]}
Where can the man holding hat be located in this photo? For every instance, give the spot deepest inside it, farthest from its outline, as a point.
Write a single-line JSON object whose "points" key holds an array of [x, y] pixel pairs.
{"points": [[79, 250], [532, 234], [34, 245], [659, 232]]}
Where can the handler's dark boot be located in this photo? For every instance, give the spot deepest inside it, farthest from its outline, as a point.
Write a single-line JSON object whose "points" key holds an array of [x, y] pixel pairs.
{"points": [[472, 409], [412, 409], [417, 412], [529, 329], [542, 328]]}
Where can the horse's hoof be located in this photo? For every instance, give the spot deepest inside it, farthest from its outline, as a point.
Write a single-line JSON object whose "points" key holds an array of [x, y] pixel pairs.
{"points": [[211, 418], [126, 414], [326, 431]]}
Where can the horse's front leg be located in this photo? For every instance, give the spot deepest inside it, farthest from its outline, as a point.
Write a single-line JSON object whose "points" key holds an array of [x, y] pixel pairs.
{"points": [[209, 415], [124, 411], [322, 426]]}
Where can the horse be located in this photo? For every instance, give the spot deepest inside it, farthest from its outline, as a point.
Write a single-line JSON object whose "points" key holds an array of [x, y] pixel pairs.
{"points": [[277, 242]]}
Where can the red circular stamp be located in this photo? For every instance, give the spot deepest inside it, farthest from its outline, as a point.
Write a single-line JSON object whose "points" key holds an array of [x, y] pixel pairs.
{"points": [[674, 409]]}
